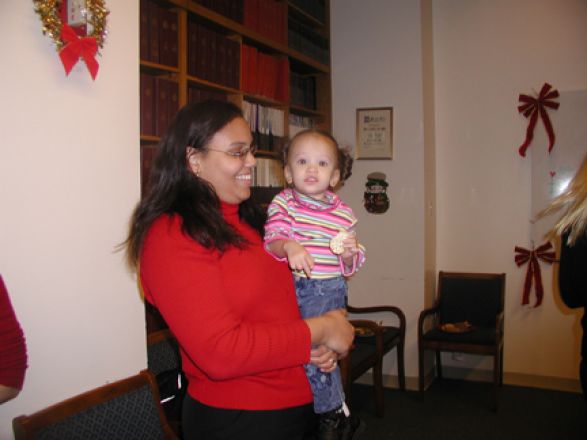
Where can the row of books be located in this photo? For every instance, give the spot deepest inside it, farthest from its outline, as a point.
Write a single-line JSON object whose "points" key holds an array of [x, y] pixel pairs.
{"points": [[158, 34], [197, 94], [159, 104], [263, 74], [268, 173], [305, 40], [267, 17], [267, 125], [212, 56], [232, 9], [298, 123], [314, 8], [302, 90]]}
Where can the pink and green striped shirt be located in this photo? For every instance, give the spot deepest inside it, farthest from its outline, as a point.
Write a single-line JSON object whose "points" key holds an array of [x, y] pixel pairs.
{"points": [[312, 223]]}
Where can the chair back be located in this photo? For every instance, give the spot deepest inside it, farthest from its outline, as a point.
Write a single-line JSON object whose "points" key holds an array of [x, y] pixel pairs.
{"points": [[162, 352], [473, 297], [127, 409]]}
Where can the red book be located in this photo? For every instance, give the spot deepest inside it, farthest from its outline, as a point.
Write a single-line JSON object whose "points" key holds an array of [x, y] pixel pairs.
{"points": [[147, 91], [173, 104], [162, 90], [203, 48], [244, 74], [212, 72], [193, 48], [154, 32], [232, 63], [147, 156], [251, 14], [221, 76], [144, 30], [253, 70]]}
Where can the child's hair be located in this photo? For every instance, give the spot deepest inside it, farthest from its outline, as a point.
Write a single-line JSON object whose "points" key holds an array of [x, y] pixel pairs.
{"points": [[574, 200], [344, 161]]}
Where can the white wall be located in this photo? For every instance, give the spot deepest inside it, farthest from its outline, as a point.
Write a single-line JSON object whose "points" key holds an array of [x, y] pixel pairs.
{"points": [[69, 177], [377, 62], [485, 54]]}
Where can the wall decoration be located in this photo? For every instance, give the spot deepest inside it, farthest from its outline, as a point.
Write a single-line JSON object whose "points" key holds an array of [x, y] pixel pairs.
{"points": [[534, 108], [375, 199], [78, 28], [374, 133], [543, 252]]}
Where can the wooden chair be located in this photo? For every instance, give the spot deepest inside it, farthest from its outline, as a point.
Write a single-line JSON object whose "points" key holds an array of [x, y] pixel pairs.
{"points": [[369, 348], [128, 409], [474, 298]]}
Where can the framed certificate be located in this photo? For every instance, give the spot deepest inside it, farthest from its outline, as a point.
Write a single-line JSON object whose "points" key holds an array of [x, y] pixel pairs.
{"points": [[374, 133]]}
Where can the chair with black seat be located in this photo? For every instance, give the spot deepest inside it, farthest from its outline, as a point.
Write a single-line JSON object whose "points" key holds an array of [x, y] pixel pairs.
{"points": [[373, 341], [164, 361], [468, 317], [127, 409]]}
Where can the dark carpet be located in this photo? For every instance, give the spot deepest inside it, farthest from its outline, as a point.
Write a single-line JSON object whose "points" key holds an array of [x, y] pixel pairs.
{"points": [[460, 410]]}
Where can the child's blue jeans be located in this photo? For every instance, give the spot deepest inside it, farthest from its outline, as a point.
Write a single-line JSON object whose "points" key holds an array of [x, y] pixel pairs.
{"points": [[316, 297]]}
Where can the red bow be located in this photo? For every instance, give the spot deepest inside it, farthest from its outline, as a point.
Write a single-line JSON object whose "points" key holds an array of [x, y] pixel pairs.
{"points": [[524, 256], [532, 107], [77, 47]]}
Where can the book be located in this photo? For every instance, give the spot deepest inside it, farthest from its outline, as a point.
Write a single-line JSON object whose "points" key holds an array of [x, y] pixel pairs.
{"points": [[147, 96]]}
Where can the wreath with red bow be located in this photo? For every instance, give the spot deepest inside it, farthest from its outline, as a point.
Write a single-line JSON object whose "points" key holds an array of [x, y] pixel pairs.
{"points": [[71, 46]]}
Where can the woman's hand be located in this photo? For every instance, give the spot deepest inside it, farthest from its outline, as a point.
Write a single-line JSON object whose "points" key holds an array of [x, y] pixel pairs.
{"points": [[333, 330], [324, 358]]}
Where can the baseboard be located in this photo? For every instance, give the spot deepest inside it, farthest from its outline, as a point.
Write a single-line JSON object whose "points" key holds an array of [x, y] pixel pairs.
{"points": [[518, 379]]}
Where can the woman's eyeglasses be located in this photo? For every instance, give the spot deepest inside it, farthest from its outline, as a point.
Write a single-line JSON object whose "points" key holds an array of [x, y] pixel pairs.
{"points": [[240, 154]]}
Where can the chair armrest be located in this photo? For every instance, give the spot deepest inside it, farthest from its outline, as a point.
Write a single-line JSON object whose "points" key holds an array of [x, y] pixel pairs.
{"points": [[374, 309], [431, 312]]}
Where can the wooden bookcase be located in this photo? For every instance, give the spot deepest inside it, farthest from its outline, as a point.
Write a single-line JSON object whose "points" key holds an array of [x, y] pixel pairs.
{"points": [[295, 39]]}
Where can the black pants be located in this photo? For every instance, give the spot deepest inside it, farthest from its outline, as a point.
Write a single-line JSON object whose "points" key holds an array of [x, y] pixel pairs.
{"points": [[203, 422]]}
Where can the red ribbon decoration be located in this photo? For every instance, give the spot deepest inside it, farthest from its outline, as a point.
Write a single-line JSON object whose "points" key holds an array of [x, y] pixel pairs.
{"points": [[534, 107], [77, 47], [524, 256]]}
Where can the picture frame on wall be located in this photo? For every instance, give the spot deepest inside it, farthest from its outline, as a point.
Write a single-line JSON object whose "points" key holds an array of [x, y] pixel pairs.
{"points": [[374, 133]]}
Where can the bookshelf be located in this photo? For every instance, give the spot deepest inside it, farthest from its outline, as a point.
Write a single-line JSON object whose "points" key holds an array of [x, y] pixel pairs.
{"points": [[269, 57]]}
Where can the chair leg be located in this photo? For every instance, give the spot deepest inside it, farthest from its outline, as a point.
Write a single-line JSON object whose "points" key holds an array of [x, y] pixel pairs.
{"points": [[438, 364], [501, 366], [421, 371], [378, 387], [496, 379], [401, 372]]}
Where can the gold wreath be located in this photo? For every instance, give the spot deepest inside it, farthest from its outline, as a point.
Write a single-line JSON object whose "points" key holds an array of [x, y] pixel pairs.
{"points": [[48, 10]]}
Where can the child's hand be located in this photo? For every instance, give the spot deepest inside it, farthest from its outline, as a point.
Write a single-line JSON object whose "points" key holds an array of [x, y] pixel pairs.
{"points": [[351, 248], [298, 257]]}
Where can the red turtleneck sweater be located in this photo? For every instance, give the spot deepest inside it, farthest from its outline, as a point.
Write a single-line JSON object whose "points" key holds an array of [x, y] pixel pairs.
{"points": [[234, 314]]}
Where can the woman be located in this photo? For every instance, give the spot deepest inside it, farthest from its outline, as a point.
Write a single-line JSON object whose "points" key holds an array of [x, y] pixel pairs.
{"points": [[198, 241], [572, 228]]}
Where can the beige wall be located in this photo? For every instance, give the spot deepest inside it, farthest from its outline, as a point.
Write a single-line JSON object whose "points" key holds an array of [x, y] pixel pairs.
{"points": [[68, 179], [377, 62], [485, 53]]}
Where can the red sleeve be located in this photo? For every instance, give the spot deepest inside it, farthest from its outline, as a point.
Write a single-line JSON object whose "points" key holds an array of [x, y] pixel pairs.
{"points": [[185, 282], [13, 355]]}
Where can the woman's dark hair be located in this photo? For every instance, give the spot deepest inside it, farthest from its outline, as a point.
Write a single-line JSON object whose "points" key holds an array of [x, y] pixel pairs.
{"points": [[174, 189], [344, 160]]}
